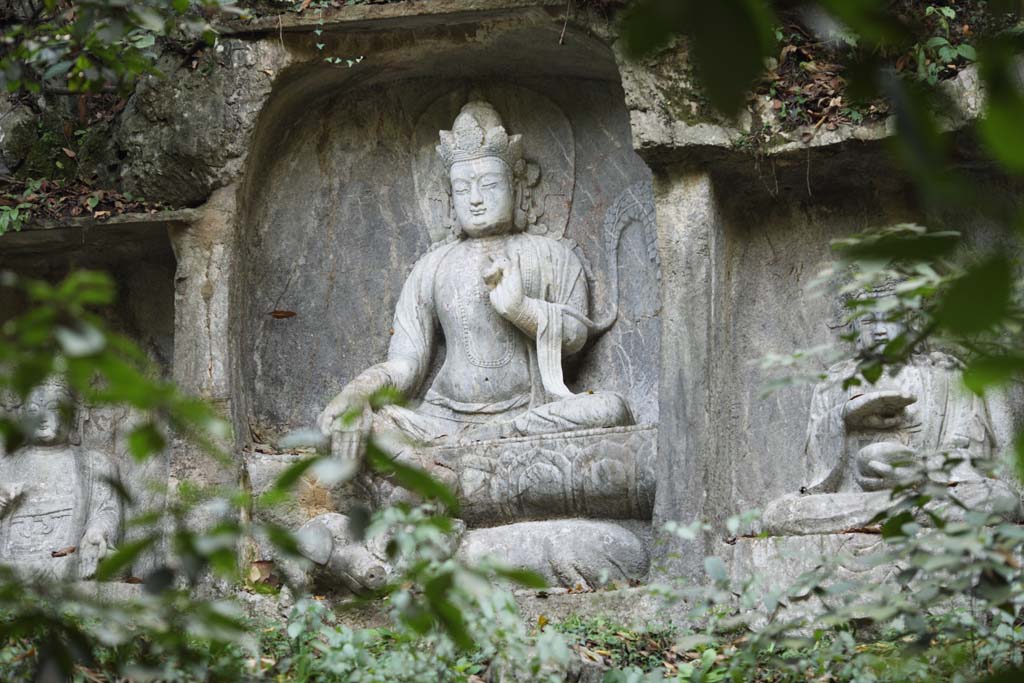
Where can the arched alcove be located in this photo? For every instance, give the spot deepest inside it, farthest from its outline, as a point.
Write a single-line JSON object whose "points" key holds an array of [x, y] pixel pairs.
{"points": [[336, 209]]}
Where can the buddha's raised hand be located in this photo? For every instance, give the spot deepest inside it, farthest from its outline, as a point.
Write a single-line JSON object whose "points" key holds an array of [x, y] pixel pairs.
{"points": [[9, 495], [505, 278]]}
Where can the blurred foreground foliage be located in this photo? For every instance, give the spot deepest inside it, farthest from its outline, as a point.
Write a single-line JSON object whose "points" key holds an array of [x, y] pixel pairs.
{"points": [[184, 622], [952, 612], [97, 45]]}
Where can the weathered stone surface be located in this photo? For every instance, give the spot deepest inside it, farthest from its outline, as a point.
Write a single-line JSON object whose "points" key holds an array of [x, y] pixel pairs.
{"points": [[864, 440], [667, 111], [336, 285], [60, 514], [13, 118], [309, 498], [737, 257], [339, 559], [780, 561], [568, 552], [135, 251], [204, 350], [689, 229], [833, 513], [188, 133], [603, 473]]}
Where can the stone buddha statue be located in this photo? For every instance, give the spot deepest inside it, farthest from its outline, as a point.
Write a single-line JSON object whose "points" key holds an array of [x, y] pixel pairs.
{"points": [[509, 305], [864, 440], [59, 515], [497, 421]]}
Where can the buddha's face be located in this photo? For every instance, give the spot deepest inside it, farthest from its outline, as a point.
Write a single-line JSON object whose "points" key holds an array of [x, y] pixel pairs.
{"points": [[482, 193], [874, 331], [46, 410]]}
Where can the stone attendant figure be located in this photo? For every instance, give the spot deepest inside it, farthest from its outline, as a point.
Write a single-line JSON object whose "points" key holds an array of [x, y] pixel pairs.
{"points": [[860, 440], [509, 305], [59, 515]]}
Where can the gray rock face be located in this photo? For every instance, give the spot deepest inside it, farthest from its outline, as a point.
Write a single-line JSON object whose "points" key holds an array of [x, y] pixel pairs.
{"points": [[189, 134], [778, 562], [59, 515], [13, 116]]}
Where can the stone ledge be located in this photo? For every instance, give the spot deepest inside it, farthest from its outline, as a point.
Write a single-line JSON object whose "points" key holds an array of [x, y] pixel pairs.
{"points": [[87, 233], [662, 139], [392, 15]]}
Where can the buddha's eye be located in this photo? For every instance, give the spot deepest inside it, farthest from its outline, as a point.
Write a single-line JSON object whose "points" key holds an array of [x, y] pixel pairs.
{"points": [[489, 186], [461, 189]]}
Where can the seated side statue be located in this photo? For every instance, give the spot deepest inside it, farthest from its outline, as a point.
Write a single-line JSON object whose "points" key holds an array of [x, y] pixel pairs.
{"points": [[508, 304], [59, 515], [861, 440]]}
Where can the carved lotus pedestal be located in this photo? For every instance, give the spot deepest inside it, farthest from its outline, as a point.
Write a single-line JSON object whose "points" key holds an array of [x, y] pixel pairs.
{"points": [[574, 507], [595, 473]]}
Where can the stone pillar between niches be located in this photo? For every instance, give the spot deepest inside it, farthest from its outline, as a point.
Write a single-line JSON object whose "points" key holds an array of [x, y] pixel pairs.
{"points": [[688, 228], [202, 288]]}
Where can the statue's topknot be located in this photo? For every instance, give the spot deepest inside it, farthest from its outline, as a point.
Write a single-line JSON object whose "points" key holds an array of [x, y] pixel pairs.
{"points": [[477, 133]]}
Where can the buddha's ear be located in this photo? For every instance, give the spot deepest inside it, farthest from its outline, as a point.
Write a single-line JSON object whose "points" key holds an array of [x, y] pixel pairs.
{"points": [[520, 203]]}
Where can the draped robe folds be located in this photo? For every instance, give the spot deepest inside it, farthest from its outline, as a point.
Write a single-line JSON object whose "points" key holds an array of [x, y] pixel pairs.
{"points": [[554, 279]]}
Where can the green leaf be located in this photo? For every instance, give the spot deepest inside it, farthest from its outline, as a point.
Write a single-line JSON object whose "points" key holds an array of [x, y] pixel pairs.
{"points": [[83, 340], [991, 371], [287, 480], [905, 241], [1019, 457], [145, 440], [117, 562], [978, 300], [871, 371], [967, 52], [873, 20], [893, 527], [411, 478], [524, 577], [1000, 127]]}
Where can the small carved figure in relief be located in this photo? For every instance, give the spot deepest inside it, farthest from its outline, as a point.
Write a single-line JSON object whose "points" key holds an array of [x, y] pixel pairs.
{"points": [[862, 441], [509, 305], [59, 515]]}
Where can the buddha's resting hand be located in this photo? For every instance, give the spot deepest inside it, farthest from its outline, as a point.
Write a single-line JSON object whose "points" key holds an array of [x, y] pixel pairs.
{"points": [[93, 547], [882, 465], [877, 409], [9, 495], [353, 398]]}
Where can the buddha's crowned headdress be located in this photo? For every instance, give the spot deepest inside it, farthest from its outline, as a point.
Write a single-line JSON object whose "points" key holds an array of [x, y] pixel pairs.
{"points": [[477, 133]]}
